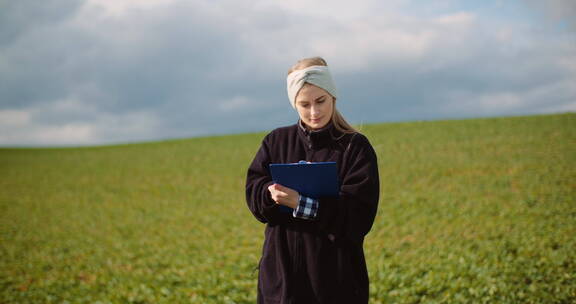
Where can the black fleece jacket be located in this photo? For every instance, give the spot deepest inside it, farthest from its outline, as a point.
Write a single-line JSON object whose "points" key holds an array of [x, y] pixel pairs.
{"points": [[320, 260]]}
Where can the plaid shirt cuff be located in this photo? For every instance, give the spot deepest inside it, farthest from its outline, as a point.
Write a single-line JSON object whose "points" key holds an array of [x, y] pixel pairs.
{"points": [[307, 208]]}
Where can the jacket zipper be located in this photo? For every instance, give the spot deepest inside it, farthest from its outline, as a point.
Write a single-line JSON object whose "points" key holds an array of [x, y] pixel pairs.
{"points": [[297, 251]]}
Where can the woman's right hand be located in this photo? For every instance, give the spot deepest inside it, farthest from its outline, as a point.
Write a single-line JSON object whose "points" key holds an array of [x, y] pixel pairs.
{"points": [[284, 195]]}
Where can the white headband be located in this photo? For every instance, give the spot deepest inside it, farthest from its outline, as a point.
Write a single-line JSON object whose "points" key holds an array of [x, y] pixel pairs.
{"points": [[317, 75]]}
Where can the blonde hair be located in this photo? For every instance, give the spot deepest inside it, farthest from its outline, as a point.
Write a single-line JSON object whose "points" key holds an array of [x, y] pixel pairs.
{"points": [[337, 119]]}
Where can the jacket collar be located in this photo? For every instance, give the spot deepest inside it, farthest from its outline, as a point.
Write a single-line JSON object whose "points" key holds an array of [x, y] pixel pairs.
{"points": [[318, 138]]}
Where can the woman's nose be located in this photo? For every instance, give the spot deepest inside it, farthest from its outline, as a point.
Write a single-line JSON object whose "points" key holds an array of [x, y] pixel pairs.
{"points": [[314, 110]]}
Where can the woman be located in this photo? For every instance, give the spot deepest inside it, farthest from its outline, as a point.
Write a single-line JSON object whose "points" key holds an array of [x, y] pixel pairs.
{"points": [[315, 253]]}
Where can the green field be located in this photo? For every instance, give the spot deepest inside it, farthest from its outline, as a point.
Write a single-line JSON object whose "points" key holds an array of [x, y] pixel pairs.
{"points": [[471, 211]]}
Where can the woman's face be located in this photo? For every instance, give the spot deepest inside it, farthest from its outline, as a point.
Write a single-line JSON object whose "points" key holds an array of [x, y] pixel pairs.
{"points": [[315, 106]]}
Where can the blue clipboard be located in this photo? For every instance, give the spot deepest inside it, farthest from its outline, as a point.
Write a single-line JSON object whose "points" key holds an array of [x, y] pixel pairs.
{"points": [[314, 180]]}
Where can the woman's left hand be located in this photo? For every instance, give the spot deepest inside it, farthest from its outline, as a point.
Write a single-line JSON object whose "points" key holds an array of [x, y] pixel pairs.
{"points": [[284, 195]]}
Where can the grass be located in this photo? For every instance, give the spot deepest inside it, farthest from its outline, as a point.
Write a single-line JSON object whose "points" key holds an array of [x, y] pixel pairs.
{"points": [[478, 210]]}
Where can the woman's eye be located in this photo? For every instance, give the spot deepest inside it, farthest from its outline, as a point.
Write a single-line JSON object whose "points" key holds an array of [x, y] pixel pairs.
{"points": [[321, 100]]}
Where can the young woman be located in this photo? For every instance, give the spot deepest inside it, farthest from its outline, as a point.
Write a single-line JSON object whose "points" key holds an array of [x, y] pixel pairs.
{"points": [[314, 254]]}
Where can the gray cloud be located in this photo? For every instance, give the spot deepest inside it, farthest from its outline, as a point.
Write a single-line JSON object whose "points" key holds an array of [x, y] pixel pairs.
{"points": [[19, 17], [93, 74], [557, 10]]}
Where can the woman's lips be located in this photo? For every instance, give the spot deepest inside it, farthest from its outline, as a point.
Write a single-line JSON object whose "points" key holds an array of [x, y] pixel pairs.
{"points": [[315, 120]]}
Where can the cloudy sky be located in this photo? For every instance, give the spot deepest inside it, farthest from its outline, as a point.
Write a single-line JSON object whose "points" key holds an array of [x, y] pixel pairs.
{"points": [[114, 71]]}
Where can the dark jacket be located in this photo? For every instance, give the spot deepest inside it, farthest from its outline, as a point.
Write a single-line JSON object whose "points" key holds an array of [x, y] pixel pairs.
{"points": [[320, 260]]}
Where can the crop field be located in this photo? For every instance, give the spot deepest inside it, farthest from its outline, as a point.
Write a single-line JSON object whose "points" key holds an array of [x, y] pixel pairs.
{"points": [[471, 211]]}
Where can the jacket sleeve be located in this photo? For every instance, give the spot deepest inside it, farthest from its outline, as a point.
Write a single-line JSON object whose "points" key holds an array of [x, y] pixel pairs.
{"points": [[352, 214], [258, 179]]}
